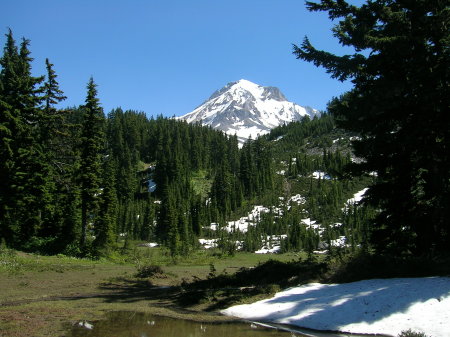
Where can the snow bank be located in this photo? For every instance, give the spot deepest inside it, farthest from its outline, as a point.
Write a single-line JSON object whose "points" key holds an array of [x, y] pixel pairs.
{"points": [[357, 197], [208, 243], [312, 225], [381, 306], [298, 199], [339, 242], [266, 250], [254, 216]]}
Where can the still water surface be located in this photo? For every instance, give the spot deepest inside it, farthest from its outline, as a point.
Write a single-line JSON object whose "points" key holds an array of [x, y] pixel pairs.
{"points": [[129, 324]]}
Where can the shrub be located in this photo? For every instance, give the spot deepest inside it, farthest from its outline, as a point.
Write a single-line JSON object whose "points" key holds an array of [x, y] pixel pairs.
{"points": [[269, 289], [410, 333], [44, 246], [9, 261], [149, 271], [72, 249]]}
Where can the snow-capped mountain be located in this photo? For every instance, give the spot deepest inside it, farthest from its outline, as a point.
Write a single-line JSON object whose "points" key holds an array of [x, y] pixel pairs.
{"points": [[247, 109]]}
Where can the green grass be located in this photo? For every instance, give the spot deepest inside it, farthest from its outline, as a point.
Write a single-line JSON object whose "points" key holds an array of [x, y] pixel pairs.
{"points": [[143, 166], [198, 262], [13, 262], [201, 183], [42, 293]]}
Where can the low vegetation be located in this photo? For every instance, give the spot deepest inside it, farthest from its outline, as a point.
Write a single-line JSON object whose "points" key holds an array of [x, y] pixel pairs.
{"points": [[43, 295], [410, 333]]}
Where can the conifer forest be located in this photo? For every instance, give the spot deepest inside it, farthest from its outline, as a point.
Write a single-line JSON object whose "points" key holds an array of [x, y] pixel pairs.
{"points": [[77, 180]]}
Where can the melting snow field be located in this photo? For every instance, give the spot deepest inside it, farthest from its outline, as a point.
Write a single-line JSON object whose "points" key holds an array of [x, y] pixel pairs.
{"points": [[380, 306]]}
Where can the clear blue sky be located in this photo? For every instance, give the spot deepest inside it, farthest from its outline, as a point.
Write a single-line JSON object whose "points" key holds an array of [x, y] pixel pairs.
{"points": [[167, 56]]}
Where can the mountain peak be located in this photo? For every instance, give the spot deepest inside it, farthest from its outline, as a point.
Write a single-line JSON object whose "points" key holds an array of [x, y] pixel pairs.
{"points": [[247, 109], [243, 81], [241, 85], [246, 84]]}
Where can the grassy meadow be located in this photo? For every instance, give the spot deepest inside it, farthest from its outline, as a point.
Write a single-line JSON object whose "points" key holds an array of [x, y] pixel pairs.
{"points": [[44, 295]]}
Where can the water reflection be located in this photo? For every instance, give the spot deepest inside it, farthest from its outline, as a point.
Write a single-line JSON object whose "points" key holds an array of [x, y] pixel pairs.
{"points": [[132, 324], [128, 324]]}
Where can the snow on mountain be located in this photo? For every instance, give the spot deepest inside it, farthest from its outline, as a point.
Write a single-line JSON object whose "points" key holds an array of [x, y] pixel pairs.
{"points": [[247, 110]]}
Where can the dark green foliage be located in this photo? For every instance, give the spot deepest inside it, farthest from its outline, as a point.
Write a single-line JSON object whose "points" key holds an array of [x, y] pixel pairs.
{"points": [[149, 271], [105, 227], [363, 265], [52, 118], [25, 189], [324, 197], [399, 105], [217, 163], [91, 149]]}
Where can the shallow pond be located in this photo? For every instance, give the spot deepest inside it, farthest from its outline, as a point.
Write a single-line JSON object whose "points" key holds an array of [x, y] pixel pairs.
{"points": [[129, 324]]}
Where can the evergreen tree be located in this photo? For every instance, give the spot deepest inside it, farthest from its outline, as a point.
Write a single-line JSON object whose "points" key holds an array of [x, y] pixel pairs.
{"points": [[32, 167], [147, 230], [52, 137], [399, 104], [53, 125], [92, 145], [221, 190], [27, 188], [167, 227], [65, 161], [10, 124], [105, 231]]}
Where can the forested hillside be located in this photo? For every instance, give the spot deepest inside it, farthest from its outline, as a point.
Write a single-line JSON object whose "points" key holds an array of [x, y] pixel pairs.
{"points": [[81, 182], [74, 180], [310, 209]]}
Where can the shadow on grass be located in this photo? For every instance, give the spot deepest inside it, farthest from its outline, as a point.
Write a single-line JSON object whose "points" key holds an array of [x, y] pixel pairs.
{"points": [[219, 291], [251, 284], [214, 293]]}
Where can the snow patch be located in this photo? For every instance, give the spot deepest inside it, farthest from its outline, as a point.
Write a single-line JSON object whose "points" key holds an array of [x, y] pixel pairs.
{"points": [[380, 306], [86, 325], [320, 175], [265, 250], [254, 216], [208, 243], [149, 244], [340, 242], [357, 197]]}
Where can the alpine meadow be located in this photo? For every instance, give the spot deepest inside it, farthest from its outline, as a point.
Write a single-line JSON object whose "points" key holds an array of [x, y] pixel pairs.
{"points": [[196, 216]]}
